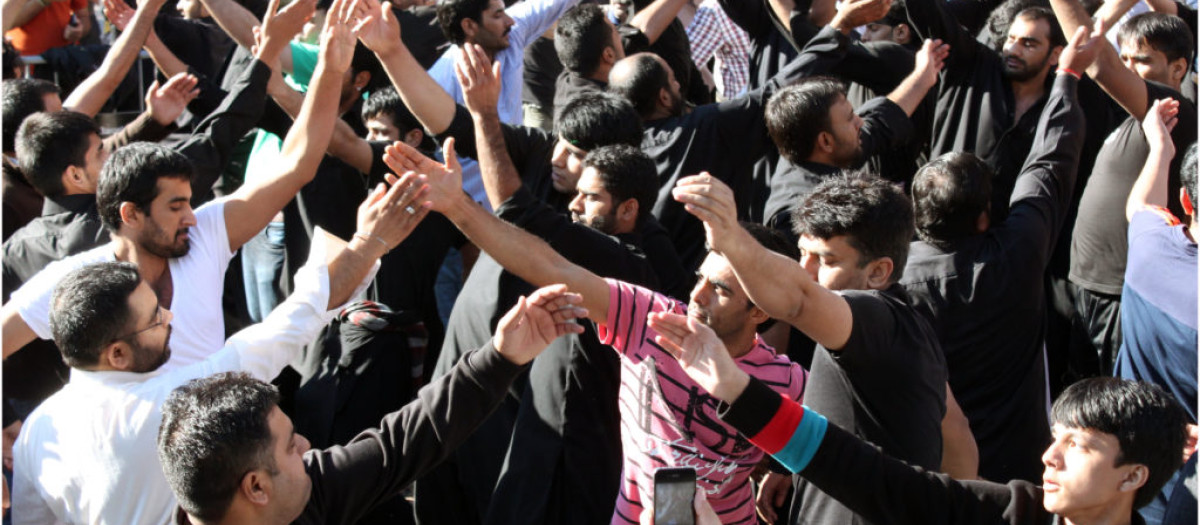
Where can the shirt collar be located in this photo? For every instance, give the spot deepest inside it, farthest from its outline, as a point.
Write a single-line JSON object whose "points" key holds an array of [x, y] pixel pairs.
{"points": [[68, 204]]}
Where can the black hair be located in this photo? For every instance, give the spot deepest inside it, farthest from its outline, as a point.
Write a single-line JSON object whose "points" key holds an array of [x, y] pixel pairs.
{"points": [[627, 173], [594, 118], [451, 13], [89, 310], [874, 215], [897, 14], [581, 37], [365, 60], [131, 175], [11, 60], [214, 430], [797, 114], [49, 143], [22, 97], [1187, 175], [949, 193], [1038, 12], [995, 29], [387, 101], [1168, 34], [641, 84], [1148, 423]]}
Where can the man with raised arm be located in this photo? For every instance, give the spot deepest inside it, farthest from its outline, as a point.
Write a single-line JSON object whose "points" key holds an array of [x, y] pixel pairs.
{"points": [[82, 456], [844, 294], [1115, 444], [146, 208]]}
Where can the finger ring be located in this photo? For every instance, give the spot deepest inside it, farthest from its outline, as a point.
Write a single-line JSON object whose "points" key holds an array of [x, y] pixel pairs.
{"points": [[410, 210]]}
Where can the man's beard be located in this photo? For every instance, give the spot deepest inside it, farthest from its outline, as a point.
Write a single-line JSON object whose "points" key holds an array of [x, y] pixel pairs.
{"points": [[1025, 71], [166, 251], [144, 360], [605, 224]]}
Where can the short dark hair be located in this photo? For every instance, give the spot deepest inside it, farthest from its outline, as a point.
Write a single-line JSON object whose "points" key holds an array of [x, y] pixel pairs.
{"points": [[627, 173], [647, 76], [593, 118], [797, 114], [949, 193], [214, 430], [1148, 423], [49, 143], [365, 60], [995, 30], [874, 215], [11, 60], [897, 14], [580, 38], [89, 309], [387, 101], [21, 97], [451, 13], [1162, 32], [1037, 12], [1187, 174], [131, 175]]}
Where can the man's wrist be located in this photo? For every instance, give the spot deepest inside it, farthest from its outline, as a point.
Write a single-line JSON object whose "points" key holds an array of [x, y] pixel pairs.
{"points": [[366, 248]]}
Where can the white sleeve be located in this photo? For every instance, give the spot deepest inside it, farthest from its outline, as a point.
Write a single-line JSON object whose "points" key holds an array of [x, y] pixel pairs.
{"points": [[442, 72], [32, 299], [211, 239], [28, 506], [534, 17], [265, 348]]}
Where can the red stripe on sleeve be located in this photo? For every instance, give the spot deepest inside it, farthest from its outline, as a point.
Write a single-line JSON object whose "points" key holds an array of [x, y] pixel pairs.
{"points": [[776, 434]]}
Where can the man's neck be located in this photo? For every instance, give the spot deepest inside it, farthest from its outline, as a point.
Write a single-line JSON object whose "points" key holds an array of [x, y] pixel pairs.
{"points": [[1113, 515], [740, 344], [151, 267], [1027, 93]]}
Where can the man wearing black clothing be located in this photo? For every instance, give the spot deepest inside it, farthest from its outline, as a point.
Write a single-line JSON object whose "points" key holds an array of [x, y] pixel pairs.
{"points": [[264, 472], [988, 102], [1099, 245], [980, 283]]}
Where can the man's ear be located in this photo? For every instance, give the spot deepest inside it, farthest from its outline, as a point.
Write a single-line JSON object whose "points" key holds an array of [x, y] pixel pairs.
{"points": [[1135, 478], [664, 98], [74, 180], [901, 33], [118, 356], [414, 137], [469, 27], [1054, 54], [758, 316], [361, 79], [130, 214], [256, 487], [879, 273], [608, 56], [825, 142], [628, 210], [1177, 70]]}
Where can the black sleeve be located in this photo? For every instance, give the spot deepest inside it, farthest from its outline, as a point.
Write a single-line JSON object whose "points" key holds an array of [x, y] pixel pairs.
{"points": [[931, 20], [872, 329], [141, 129], [1188, 14], [1043, 189], [348, 481], [750, 15], [878, 66], [972, 15], [525, 145], [885, 126], [212, 143]]}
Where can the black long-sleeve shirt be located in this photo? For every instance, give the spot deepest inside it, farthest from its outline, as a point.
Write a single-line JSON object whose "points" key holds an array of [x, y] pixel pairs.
{"points": [[985, 298]]}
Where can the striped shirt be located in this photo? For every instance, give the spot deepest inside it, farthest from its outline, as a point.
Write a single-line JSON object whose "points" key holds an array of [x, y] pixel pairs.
{"points": [[667, 420]]}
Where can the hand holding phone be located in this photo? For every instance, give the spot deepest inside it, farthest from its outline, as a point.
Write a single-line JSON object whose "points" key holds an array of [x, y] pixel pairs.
{"points": [[674, 494]]}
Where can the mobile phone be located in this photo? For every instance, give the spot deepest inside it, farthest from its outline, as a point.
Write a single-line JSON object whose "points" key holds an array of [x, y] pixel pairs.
{"points": [[674, 490]]}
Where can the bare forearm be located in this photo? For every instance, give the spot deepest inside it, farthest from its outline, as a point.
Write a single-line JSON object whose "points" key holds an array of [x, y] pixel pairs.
{"points": [[427, 100], [349, 267], [19, 12], [655, 18], [1111, 11], [166, 61], [911, 91], [90, 96], [500, 178], [1151, 186]]}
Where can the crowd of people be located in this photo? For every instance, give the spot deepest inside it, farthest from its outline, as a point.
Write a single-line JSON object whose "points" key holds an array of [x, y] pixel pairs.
{"points": [[490, 262]]}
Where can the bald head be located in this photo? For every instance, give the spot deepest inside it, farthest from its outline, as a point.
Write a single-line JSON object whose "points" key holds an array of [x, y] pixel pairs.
{"points": [[646, 81]]}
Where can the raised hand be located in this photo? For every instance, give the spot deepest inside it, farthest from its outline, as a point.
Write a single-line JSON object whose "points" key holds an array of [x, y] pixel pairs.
{"points": [[280, 26], [857, 13], [479, 78], [1159, 122], [1081, 51], [388, 215], [711, 201], [701, 354], [531, 324], [377, 27], [118, 13], [930, 61], [444, 180], [337, 38], [166, 103]]}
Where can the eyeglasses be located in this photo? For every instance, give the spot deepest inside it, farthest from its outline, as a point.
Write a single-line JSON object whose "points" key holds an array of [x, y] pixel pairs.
{"points": [[158, 309]]}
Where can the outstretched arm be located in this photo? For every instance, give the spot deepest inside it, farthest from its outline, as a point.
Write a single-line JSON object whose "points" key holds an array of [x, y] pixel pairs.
{"points": [[481, 92], [655, 18], [778, 285], [1123, 85], [250, 208], [960, 454], [912, 90], [239, 23], [95, 90], [379, 30], [518, 251], [1150, 189]]}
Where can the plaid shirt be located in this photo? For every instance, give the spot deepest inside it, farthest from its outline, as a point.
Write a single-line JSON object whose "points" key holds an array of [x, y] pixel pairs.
{"points": [[712, 32]]}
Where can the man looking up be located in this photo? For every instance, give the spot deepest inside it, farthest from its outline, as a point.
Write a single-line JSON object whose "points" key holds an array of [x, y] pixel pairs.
{"points": [[658, 408], [980, 281], [232, 456], [854, 241]]}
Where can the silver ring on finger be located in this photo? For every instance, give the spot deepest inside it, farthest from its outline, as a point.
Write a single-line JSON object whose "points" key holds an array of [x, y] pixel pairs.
{"points": [[410, 210]]}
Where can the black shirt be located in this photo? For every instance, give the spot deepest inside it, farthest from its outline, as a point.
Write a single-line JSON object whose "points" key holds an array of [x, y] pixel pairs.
{"points": [[1099, 244], [569, 84], [542, 69], [984, 296], [887, 385], [975, 108]]}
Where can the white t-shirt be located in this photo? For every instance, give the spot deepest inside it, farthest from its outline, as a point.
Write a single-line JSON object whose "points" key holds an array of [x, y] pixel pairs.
{"points": [[198, 279]]}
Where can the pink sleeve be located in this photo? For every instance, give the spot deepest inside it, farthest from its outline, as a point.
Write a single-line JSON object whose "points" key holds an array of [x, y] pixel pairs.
{"points": [[628, 307]]}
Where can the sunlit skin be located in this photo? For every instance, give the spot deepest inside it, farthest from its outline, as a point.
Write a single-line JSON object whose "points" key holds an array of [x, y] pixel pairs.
{"points": [[719, 301], [1082, 482], [833, 263], [165, 229], [290, 485], [491, 32], [1026, 52], [566, 166], [1151, 64], [593, 205]]}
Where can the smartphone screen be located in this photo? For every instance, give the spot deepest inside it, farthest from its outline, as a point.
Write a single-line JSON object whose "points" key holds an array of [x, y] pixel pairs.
{"points": [[674, 490]]}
